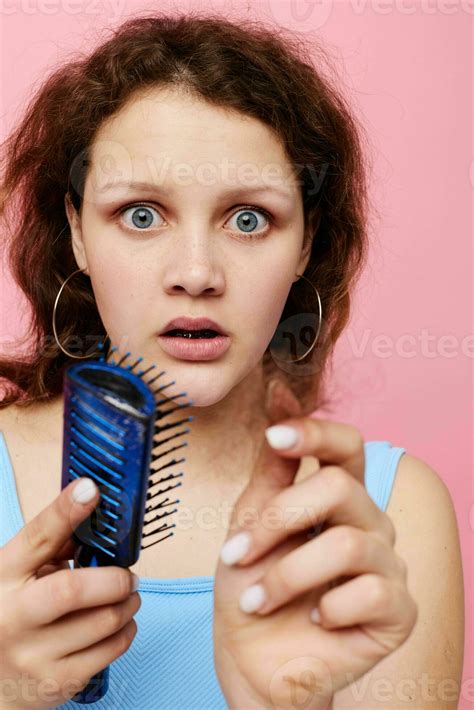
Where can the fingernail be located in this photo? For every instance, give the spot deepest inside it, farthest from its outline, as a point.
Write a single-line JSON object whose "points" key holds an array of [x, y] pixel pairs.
{"points": [[315, 616], [252, 598], [84, 491], [135, 581], [235, 548], [281, 436]]}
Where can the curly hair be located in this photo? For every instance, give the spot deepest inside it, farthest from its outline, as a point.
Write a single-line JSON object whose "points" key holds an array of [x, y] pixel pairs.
{"points": [[268, 73]]}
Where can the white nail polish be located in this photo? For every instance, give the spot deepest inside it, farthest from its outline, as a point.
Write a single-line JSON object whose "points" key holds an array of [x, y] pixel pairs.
{"points": [[252, 598], [84, 491], [235, 548], [315, 616], [281, 436]]}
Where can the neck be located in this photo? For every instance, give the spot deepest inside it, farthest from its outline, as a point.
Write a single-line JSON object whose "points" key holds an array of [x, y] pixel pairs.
{"points": [[225, 438]]}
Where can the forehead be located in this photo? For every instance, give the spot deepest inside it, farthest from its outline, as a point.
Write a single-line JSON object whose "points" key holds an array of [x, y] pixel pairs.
{"points": [[165, 136]]}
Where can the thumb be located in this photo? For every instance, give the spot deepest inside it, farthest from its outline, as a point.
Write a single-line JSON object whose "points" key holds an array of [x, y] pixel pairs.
{"points": [[45, 537]]}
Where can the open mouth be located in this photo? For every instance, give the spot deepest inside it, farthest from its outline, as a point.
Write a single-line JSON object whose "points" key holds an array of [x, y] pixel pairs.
{"points": [[192, 334], [201, 344]]}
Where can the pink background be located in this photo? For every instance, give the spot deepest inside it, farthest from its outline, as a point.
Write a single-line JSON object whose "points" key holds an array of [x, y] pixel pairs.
{"points": [[407, 68]]}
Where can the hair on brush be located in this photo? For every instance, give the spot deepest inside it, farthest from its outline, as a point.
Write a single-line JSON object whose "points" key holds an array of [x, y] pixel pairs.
{"points": [[119, 431]]}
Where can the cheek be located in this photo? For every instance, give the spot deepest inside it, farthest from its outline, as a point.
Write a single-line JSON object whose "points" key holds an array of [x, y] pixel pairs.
{"points": [[120, 290], [261, 305]]}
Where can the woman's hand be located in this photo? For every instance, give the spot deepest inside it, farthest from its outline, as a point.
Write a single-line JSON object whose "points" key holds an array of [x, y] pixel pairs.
{"points": [[332, 605], [58, 627]]}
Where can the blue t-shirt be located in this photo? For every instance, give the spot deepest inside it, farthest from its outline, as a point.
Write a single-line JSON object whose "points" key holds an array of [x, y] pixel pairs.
{"points": [[170, 663]]}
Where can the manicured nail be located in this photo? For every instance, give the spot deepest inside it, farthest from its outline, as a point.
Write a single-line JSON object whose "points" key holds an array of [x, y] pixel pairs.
{"points": [[315, 616], [252, 598], [135, 581], [84, 491], [235, 548], [281, 436]]}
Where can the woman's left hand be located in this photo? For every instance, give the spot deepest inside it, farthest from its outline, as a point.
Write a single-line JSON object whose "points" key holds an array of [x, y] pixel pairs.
{"points": [[280, 655]]}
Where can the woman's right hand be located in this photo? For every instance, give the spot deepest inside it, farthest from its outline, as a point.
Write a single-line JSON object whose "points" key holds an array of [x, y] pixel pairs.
{"points": [[58, 626]]}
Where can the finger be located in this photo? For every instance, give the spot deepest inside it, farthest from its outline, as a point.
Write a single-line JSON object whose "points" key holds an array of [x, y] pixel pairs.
{"points": [[367, 599], [89, 661], [43, 538], [280, 402], [53, 567], [271, 472], [330, 496], [67, 590], [66, 552], [85, 627], [60, 560], [338, 551], [330, 442]]}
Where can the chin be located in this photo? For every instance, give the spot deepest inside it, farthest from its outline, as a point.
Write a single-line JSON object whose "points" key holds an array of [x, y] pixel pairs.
{"points": [[204, 388]]}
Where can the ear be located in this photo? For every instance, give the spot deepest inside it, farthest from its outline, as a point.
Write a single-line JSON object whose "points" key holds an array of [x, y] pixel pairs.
{"points": [[76, 233], [309, 235]]}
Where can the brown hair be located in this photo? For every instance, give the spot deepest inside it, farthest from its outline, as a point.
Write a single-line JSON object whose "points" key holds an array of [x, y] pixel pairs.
{"points": [[265, 72]]}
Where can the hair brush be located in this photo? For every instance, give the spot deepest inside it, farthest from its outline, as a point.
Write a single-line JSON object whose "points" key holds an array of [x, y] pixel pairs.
{"points": [[113, 433]]}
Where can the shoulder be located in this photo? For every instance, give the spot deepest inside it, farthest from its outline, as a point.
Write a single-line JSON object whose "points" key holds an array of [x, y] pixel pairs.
{"points": [[32, 422], [15, 423], [423, 512], [11, 420], [419, 495], [427, 539]]}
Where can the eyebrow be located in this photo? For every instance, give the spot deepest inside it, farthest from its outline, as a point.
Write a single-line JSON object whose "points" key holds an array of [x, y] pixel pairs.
{"points": [[232, 192]]}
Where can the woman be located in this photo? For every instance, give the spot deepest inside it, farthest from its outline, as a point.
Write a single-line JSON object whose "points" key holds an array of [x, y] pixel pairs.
{"points": [[194, 168]]}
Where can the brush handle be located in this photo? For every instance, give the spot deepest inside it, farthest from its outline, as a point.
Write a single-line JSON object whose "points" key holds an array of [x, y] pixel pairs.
{"points": [[110, 416], [95, 689], [99, 683]]}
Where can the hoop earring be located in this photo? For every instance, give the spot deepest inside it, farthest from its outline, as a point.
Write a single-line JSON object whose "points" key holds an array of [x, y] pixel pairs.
{"points": [[319, 326], [77, 357]]}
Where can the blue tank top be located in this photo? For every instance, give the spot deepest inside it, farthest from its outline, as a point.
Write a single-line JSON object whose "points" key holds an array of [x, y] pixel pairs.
{"points": [[170, 663]]}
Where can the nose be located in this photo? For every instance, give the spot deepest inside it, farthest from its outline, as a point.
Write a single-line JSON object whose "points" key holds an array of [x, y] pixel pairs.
{"points": [[192, 265]]}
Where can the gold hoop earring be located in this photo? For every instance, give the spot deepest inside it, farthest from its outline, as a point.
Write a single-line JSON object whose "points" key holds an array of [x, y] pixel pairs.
{"points": [[77, 357], [305, 354]]}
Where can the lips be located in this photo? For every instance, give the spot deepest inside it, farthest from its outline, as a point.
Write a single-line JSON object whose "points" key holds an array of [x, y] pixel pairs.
{"points": [[185, 323]]}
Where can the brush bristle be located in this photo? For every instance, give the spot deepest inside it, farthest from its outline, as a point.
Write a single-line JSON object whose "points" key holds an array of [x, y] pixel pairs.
{"points": [[163, 507]]}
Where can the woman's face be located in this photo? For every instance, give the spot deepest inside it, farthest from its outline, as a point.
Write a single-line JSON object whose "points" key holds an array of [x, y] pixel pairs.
{"points": [[197, 242]]}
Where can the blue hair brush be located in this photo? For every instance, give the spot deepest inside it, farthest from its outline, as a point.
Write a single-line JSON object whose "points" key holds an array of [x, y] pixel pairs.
{"points": [[113, 433]]}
